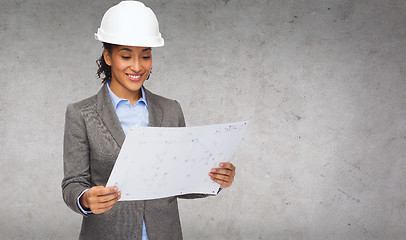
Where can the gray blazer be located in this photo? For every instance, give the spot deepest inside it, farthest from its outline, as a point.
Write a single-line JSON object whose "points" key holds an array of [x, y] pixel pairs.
{"points": [[93, 138]]}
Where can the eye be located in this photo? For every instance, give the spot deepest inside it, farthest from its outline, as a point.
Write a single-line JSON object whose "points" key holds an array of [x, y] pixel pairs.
{"points": [[125, 57], [146, 57]]}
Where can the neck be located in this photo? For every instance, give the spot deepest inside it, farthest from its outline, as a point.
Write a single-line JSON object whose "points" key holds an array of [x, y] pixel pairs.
{"points": [[124, 93]]}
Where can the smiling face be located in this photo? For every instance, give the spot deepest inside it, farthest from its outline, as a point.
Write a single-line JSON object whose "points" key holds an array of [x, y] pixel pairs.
{"points": [[130, 67]]}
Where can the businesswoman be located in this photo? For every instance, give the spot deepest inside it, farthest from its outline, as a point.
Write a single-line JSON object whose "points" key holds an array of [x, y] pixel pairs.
{"points": [[95, 129]]}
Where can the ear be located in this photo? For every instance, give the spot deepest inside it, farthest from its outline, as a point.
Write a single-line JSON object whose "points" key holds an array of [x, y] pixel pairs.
{"points": [[107, 57]]}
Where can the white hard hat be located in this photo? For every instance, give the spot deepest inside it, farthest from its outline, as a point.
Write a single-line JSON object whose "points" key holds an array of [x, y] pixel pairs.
{"points": [[130, 23]]}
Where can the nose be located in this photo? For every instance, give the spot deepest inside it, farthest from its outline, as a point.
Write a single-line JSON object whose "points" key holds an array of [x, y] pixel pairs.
{"points": [[136, 65]]}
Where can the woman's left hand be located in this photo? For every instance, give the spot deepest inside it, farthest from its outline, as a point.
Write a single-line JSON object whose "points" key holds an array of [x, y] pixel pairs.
{"points": [[224, 175]]}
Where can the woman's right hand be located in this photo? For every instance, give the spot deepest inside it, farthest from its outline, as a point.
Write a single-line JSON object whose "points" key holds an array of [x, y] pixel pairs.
{"points": [[100, 199]]}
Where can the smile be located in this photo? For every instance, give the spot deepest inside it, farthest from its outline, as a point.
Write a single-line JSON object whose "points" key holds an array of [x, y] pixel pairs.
{"points": [[134, 77]]}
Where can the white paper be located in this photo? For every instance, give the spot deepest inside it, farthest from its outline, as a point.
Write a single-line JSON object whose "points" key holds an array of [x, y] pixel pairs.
{"points": [[157, 162]]}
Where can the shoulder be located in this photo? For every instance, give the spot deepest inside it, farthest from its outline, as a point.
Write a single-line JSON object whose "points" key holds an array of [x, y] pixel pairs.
{"points": [[163, 102], [87, 103], [81, 109], [90, 104], [168, 111]]}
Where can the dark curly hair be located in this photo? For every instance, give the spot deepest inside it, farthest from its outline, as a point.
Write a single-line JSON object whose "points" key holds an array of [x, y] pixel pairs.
{"points": [[105, 69]]}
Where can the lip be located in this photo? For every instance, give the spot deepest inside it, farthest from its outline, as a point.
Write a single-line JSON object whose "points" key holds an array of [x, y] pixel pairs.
{"points": [[134, 79]]}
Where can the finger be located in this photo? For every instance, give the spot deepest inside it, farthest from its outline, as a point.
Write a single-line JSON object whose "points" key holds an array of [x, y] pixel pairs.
{"points": [[103, 207], [102, 210], [222, 183], [99, 199], [227, 165], [108, 190], [109, 197], [222, 171], [224, 178], [100, 190]]}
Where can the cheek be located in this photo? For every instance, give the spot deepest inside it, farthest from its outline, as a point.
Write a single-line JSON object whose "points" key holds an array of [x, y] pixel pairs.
{"points": [[119, 65], [148, 65]]}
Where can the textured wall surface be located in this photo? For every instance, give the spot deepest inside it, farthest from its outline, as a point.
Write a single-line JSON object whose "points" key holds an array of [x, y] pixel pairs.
{"points": [[323, 83]]}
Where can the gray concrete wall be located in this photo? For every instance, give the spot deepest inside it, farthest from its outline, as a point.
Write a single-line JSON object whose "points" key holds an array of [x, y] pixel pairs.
{"points": [[323, 83]]}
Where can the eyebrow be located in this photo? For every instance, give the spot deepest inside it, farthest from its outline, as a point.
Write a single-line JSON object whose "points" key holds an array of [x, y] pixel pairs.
{"points": [[128, 49]]}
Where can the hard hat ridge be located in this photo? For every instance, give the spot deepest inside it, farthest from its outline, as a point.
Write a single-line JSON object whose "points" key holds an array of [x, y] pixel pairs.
{"points": [[130, 23]]}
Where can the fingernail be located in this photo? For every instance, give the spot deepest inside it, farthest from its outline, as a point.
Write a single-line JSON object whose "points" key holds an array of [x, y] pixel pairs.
{"points": [[213, 170], [221, 164], [115, 189]]}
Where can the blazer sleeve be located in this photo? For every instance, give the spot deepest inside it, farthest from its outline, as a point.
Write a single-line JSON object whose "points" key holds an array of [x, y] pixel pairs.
{"points": [[75, 158], [180, 115]]}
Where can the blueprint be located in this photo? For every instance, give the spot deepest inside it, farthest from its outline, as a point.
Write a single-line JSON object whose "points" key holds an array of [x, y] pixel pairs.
{"points": [[158, 162]]}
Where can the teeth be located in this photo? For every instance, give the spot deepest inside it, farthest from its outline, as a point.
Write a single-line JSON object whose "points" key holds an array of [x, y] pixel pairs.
{"points": [[135, 77]]}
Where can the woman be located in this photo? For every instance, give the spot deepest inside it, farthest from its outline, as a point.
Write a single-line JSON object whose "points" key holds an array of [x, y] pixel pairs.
{"points": [[95, 129]]}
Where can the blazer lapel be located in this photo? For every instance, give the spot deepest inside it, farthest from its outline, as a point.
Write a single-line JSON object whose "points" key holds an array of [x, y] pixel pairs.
{"points": [[155, 111], [107, 113]]}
